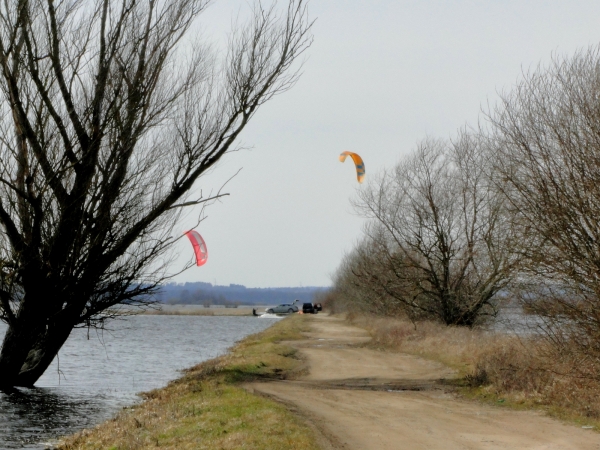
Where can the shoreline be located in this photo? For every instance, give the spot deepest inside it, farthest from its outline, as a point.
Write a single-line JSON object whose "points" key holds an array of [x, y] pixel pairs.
{"points": [[199, 310], [241, 399], [207, 407]]}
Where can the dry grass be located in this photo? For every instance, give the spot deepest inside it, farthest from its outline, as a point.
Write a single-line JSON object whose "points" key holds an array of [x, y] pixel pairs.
{"points": [[498, 368], [457, 347], [206, 409]]}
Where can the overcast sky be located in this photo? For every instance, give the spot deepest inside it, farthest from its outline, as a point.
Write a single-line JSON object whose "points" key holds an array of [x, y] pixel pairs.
{"points": [[380, 76]]}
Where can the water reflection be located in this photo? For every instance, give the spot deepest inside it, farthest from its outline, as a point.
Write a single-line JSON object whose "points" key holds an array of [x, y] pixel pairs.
{"points": [[96, 377], [30, 416]]}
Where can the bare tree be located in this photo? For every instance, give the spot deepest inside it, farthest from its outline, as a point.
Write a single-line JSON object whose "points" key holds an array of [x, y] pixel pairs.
{"points": [[441, 232], [110, 115], [365, 281], [546, 132]]}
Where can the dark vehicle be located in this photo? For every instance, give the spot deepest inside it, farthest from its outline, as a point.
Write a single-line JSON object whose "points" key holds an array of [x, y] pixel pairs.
{"points": [[308, 308]]}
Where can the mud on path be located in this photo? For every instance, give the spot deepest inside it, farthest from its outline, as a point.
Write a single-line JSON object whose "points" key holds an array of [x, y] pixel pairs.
{"points": [[360, 398]]}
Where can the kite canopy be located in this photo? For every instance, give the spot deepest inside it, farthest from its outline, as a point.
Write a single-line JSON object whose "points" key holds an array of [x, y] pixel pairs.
{"points": [[358, 162], [199, 247]]}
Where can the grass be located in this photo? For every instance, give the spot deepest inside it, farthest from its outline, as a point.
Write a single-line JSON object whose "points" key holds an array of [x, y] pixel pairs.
{"points": [[499, 369], [207, 409]]}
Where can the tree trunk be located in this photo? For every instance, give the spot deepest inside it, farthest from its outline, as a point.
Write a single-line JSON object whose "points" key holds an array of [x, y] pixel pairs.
{"points": [[26, 354], [19, 339], [34, 337], [42, 353]]}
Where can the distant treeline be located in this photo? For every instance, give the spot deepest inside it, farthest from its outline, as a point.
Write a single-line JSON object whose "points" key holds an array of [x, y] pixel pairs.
{"points": [[201, 293]]}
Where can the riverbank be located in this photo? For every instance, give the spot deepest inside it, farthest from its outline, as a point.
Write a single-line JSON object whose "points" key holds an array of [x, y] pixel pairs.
{"points": [[208, 409], [337, 385]]}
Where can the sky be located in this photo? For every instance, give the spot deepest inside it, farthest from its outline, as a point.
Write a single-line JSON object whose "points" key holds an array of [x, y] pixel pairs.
{"points": [[380, 76]]}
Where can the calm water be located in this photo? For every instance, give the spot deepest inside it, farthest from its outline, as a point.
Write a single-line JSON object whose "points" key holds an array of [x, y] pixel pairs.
{"points": [[512, 320], [98, 374]]}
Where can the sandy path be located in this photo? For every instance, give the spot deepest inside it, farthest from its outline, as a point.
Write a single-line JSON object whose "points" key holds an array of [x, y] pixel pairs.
{"points": [[359, 398]]}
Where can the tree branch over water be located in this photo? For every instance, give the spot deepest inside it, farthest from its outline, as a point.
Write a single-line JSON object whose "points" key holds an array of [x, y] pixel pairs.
{"points": [[111, 114]]}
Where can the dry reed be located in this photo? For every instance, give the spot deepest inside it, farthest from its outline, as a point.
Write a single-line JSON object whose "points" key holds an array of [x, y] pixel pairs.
{"points": [[506, 368]]}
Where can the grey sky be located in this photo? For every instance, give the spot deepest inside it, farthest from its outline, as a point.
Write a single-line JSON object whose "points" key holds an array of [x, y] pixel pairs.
{"points": [[380, 76]]}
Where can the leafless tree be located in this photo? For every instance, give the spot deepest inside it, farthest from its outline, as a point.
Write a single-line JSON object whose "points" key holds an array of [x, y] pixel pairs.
{"points": [[365, 282], [111, 113], [441, 231], [546, 132]]}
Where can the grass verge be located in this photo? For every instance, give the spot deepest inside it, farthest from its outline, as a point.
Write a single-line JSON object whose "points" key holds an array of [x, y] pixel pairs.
{"points": [[207, 409], [495, 368]]}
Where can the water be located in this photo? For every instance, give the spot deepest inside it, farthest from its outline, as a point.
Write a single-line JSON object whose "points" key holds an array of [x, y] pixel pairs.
{"points": [[93, 378], [270, 316], [512, 320]]}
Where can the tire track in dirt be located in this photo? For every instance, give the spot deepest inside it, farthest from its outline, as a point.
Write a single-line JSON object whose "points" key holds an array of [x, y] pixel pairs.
{"points": [[360, 398]]}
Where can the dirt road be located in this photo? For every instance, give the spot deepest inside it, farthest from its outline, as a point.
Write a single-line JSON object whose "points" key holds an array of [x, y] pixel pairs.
{"points": [[360, 398]]}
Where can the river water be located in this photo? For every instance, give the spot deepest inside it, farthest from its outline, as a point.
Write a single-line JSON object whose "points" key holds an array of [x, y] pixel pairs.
{"points": [[97, 373]]}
